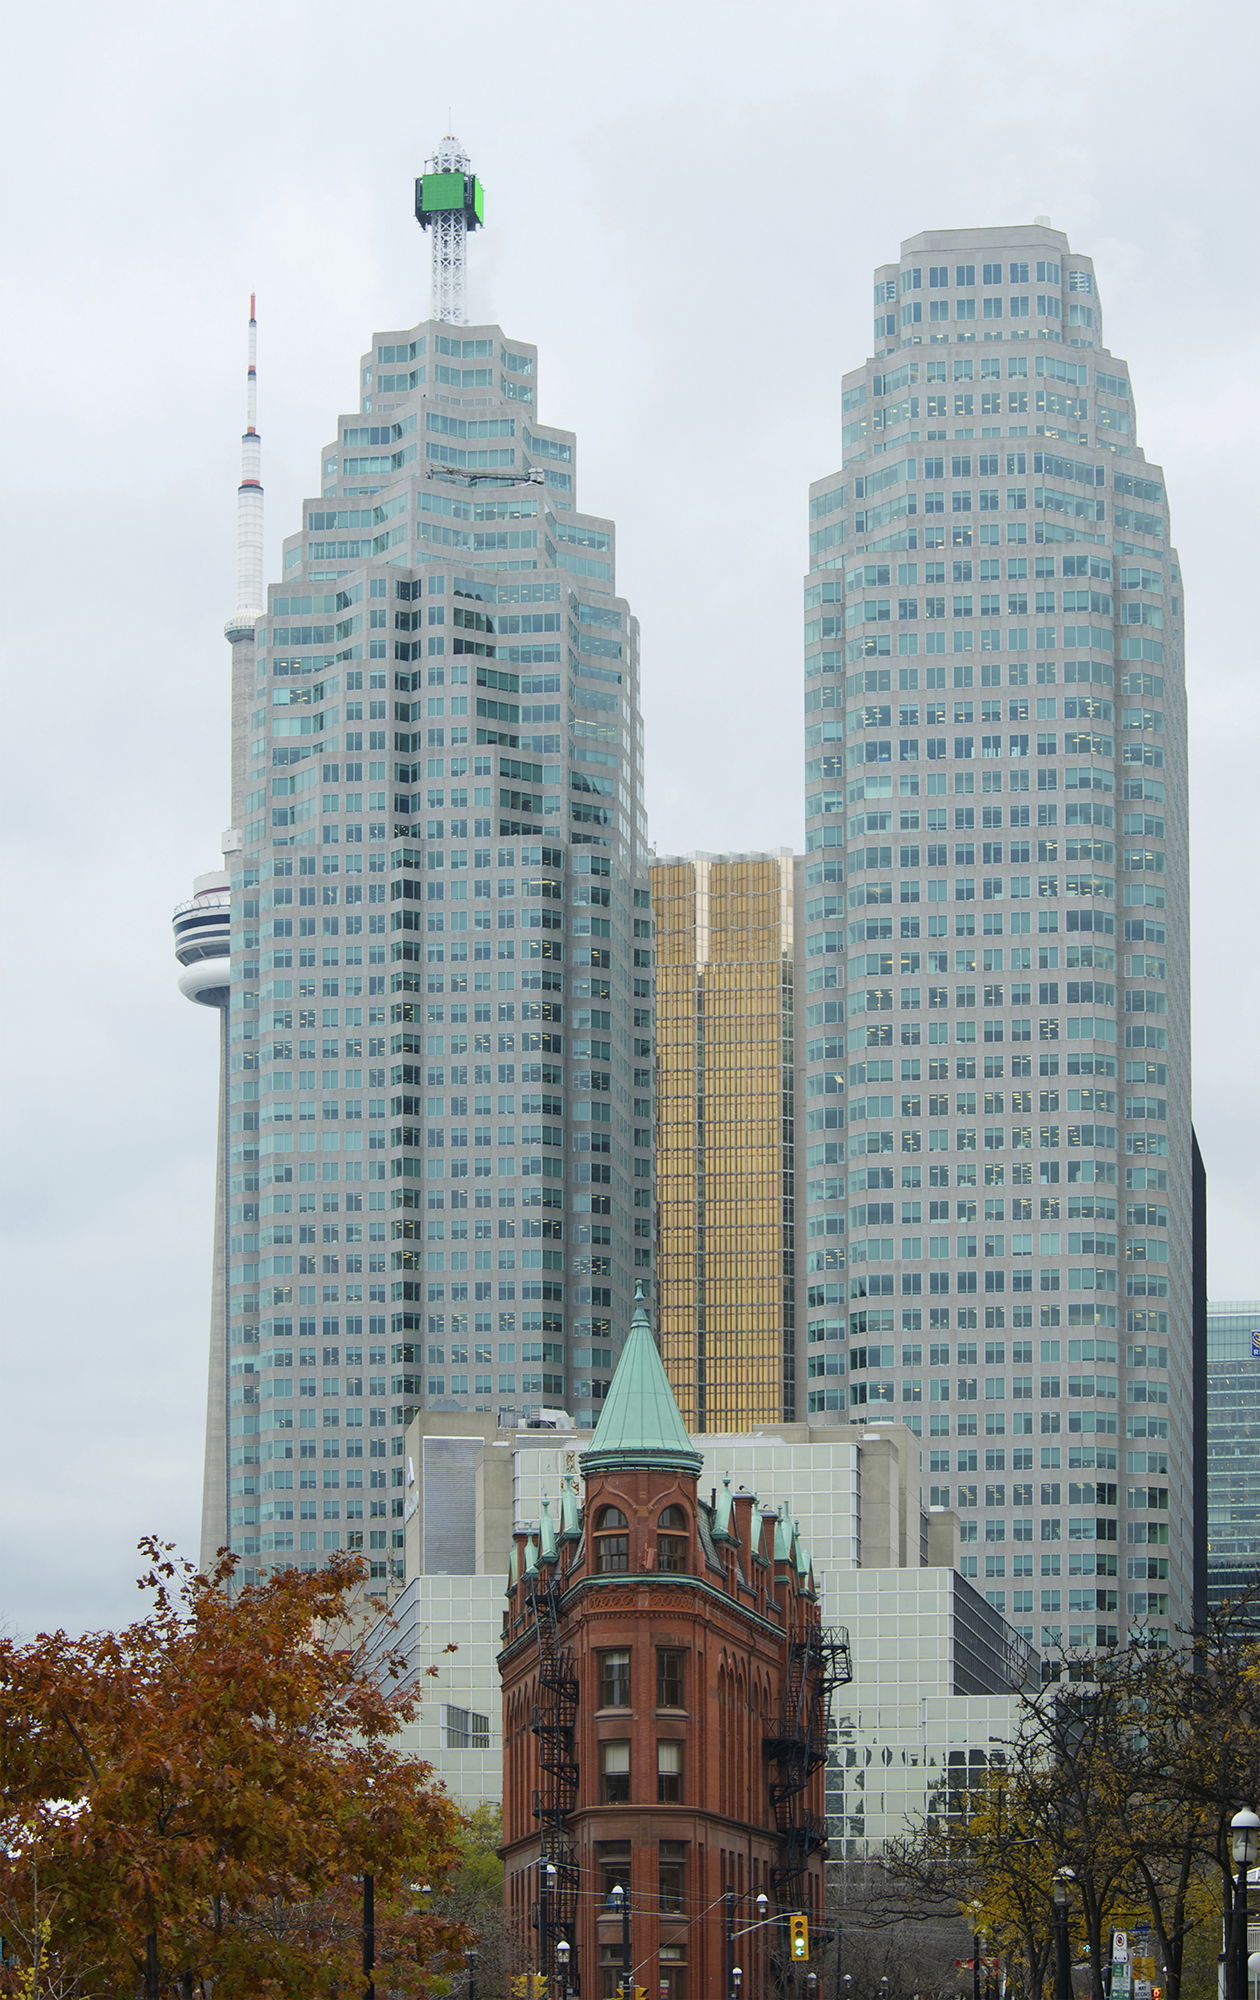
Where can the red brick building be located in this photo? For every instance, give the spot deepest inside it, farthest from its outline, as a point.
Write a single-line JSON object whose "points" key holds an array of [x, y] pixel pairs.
{"points": [[665, 1685]]}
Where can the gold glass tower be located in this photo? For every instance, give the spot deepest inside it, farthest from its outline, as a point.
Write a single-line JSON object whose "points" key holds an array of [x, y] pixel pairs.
{"points": [[726, 1262]]}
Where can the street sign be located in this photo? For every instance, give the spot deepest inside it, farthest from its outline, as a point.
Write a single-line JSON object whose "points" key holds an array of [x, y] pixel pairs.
{"points": [[1255, 1346], [1119, 1947]]}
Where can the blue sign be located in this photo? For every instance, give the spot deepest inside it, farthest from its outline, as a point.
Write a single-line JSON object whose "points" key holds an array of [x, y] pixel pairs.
{"points": [[1255, 1346]]}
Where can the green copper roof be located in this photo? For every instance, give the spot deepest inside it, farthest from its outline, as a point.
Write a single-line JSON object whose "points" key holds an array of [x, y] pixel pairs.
{"points": [[640, 1423], [570, 1513], [546, 1535], [783, 1538]]}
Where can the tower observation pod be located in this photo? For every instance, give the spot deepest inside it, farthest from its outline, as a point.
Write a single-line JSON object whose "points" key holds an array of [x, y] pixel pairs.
{"points": [[202, 927], [449, 202]]}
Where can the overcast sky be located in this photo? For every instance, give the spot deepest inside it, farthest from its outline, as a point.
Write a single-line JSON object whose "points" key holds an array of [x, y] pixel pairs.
{"points": [[685, 202]]}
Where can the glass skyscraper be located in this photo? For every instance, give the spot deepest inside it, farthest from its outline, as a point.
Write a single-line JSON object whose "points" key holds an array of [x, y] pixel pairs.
{"points": [[996, 1115], [726, 1134], [1233, 1454], [436, 1167]]}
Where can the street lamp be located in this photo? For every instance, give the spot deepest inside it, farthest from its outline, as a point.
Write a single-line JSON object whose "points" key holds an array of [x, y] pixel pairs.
{"points": [[470, 1960], [563, 1950], [1244, 1835], [620, 1900], [975, 1909], [546, 1891], [1063, 1880]]}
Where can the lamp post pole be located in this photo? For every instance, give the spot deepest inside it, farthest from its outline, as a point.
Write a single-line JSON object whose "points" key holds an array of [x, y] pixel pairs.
{"points": [[563, 1950], [1244, 1834], [369, 1936], [975, 1951], [546, 1886], [1063, 1880], [728, 1901], [470, 1960], [620, 1900]]}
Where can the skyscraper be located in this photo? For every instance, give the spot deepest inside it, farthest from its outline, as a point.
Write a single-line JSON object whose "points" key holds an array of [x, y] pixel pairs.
{"points": [[437, 1162], [997, 1110], [1233, 1454], [726, 995]]}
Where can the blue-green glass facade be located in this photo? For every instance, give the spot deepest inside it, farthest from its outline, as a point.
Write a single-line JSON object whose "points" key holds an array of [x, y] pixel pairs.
{"points": [[1233, 1451], [439, 1145], [995, 1119]]}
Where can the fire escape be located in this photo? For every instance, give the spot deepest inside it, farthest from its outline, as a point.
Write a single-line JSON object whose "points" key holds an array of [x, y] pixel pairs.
{"points": [[555, 1713], [819, 1662]]}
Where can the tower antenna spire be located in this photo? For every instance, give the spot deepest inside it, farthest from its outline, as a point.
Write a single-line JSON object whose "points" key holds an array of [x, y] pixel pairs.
{"points": [[249, 504], [449, 202]]}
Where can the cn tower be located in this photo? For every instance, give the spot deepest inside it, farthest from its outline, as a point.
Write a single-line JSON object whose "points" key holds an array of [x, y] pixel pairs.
{"points": [[202, 928]]}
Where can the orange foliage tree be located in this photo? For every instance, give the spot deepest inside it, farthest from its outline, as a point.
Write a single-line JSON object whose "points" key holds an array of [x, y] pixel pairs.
{"points": [[194, 1802]]}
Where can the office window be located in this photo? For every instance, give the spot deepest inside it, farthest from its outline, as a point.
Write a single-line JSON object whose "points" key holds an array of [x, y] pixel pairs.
{"points": [[669, 1765], [614, 1678], [612, 1541], [671, 1547], [614, 1765], [669, 1677], [464, 1730], [672, 1875], [612, 1860]]}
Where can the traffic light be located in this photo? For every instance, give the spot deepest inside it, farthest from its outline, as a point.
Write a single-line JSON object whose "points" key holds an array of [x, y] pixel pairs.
{"points": [[798, 1938]]}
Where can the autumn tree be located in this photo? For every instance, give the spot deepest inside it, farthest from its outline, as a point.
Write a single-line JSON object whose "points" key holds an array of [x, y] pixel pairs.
{"points": [[195, 1801], [1126, 1769]]}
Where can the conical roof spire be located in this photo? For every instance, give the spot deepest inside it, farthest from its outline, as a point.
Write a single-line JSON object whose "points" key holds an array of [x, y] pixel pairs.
{"points": [[641, 1423]]}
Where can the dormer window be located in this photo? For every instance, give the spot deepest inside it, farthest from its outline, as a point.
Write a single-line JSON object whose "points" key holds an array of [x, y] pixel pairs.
{"points": [[671, 1541], [612, 1542]]}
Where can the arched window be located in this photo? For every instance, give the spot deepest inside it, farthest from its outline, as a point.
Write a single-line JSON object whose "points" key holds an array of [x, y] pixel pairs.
{"points": [[671, 1546], [612, 1541]]}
